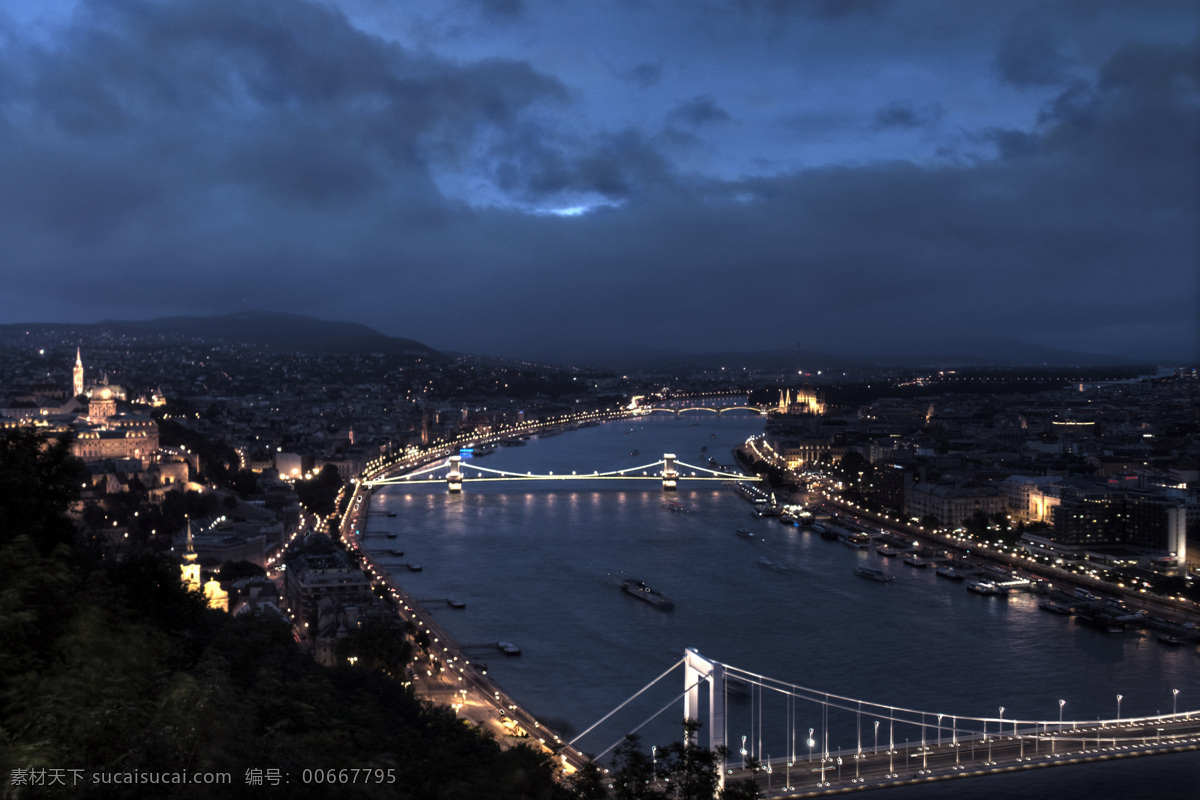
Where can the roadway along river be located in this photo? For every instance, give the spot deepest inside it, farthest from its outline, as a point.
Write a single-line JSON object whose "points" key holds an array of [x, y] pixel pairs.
{"points": [[540, 565]]}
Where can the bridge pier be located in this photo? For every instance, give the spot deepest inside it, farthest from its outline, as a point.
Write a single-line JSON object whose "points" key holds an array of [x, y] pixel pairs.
{"points": [[454, 479], [697, 668], [670, 475]]}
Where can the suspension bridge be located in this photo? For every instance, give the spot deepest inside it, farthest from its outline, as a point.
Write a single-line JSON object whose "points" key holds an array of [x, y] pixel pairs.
{"points": [[718, 410], [454, 472], [795, 741]]}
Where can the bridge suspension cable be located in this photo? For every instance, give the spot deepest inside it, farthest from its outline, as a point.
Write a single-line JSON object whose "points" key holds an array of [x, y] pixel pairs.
{"points": [[650, 718], [627, 702], [975, 745]]}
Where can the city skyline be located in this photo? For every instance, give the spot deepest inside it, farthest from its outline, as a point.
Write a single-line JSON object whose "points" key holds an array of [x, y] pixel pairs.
{"points": [[524, 178]]}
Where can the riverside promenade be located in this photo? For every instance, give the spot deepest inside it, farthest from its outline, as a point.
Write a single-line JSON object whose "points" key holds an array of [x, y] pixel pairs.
{"points": [[443, 673]]}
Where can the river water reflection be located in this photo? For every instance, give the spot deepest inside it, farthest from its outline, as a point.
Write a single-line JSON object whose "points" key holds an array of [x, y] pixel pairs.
{"points": [[540, 565]]}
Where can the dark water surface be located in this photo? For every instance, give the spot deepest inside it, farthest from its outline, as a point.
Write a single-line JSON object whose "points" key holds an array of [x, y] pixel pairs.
{"points": [[540, 564]]}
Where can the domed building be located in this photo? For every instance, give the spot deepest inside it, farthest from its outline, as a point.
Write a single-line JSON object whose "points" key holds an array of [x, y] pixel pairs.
{"points": [[101, 406]]}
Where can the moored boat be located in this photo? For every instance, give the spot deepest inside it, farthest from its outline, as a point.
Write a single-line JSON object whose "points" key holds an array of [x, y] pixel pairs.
{"points": [[857, 541], [948, 571], [986, 588], [873, 574], [1049, 604]]}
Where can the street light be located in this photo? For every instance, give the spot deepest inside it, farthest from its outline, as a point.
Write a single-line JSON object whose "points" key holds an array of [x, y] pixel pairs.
{"points": [[1061, 703], [1119, 707], [1175, 702]]}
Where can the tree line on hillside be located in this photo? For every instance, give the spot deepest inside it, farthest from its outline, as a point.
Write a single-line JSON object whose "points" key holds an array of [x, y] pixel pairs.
{"points": [[111, 666]]}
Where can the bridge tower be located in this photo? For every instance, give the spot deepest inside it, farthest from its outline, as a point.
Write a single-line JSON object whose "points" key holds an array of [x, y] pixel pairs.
{"points": [[670, 475], [454, 479], [696, 669]]}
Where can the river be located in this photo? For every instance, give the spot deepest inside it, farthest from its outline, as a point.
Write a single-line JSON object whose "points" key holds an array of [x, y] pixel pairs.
{"points": [[540, 564]]}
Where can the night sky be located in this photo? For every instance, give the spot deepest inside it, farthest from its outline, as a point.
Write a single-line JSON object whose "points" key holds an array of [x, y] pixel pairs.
{"points": [[525, 177]]}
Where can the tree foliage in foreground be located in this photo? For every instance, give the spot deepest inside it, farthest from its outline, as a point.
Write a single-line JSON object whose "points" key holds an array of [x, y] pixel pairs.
{"points": [[679, 771], [113, 667]]}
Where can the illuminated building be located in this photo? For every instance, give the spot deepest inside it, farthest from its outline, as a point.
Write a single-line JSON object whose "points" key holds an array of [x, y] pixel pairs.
{"points": [[190, 569], [805, 401], [101, 406], [77, 375], [1115, 513], [214, 595]]}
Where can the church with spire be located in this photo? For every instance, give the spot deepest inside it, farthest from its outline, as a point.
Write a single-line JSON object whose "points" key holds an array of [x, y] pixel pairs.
{"points": [[189, 574], [77, 375]]}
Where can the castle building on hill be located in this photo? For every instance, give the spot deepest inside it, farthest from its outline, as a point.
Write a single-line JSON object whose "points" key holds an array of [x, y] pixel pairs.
{"points": [[104, 433]]}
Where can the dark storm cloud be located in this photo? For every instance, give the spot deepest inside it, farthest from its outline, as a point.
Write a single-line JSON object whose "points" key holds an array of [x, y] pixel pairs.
{"points": [[617, 167], [177, 157], [1141, 110], [700, 110], [506, 10], [1032, 54], [1077, 227], [1011, 143], [820, 9], [286, 99], [902, 114], [646, 74]]}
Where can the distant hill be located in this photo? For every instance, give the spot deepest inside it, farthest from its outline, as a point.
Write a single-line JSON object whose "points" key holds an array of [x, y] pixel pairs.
{"points": [[957, 352], [993, 351], [270, 328]]}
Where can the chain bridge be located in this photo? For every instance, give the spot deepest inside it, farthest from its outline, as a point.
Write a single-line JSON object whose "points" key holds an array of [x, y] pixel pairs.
{"points": [[454, 472]]}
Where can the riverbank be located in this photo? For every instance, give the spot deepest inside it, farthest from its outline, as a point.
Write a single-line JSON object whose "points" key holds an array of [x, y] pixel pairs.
{"points": [[450, 676], [1179, 611]]}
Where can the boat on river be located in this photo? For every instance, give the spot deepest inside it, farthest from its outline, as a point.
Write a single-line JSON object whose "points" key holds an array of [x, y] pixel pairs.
{"points": [[1055, 606], [856, 540], [948, 571], [871, 573], [986, 587], [643, 592]]}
